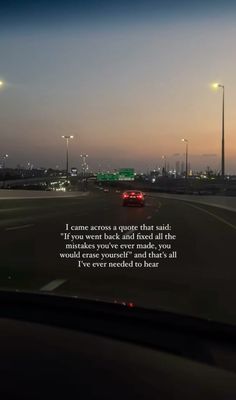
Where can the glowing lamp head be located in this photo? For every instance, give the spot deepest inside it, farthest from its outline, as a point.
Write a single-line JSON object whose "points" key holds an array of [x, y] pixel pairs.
{"points": [[67, 137], [215, 85]]}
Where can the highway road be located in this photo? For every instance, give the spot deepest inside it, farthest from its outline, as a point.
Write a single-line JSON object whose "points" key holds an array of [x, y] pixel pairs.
{"points": [[201, 281]]}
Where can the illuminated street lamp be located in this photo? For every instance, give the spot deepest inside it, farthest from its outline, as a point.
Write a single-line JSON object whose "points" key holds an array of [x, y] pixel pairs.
{"points": [[5, 158], [216, 86], [6, 155], [67, 153], [186, 158]]}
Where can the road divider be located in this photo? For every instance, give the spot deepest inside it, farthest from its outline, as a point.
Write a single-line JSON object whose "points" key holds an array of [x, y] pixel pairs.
{"points": [[6, 194], [224, 202]]}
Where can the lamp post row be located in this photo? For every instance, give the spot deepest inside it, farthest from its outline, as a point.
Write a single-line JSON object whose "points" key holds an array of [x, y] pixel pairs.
{"points": [[215, 85]]}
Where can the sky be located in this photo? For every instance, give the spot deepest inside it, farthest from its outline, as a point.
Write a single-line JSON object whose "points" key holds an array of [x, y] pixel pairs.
{"points": [[127, 79]]}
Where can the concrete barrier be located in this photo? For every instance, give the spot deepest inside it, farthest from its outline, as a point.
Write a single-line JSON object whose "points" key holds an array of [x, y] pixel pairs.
{"points": [[8, 194], [227, 203]]}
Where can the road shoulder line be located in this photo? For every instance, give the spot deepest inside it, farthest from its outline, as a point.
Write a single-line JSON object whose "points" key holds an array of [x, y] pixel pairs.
{"points": [[212, 215], [49, 287], [14, 228]]}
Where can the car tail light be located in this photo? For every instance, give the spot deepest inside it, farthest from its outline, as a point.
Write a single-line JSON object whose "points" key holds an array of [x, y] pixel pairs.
{"points": [[139, 196], [125, 196], [130, 304]]}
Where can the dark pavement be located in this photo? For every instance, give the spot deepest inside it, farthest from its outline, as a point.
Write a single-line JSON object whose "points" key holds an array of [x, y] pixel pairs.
{"points": [[201, 281]]}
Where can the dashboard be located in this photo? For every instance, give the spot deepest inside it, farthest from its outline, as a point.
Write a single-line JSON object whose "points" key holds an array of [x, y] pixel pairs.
{"points": [[42, 359]]}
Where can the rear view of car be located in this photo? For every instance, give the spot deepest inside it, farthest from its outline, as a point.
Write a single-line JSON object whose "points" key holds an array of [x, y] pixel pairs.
{"points": [[133, 198]]}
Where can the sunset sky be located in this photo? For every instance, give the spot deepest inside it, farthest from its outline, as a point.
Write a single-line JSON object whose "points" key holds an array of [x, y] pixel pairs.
{"points": [[127, 79]]}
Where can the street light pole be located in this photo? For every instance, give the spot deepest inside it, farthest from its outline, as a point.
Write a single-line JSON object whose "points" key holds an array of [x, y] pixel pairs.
{"points": [[67, 154], [186, 158], [218, 85], [164, 158], [223, 133], [4, 160]]}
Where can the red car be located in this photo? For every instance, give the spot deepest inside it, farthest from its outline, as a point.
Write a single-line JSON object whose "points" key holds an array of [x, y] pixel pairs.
{"points": [[134, 197]]}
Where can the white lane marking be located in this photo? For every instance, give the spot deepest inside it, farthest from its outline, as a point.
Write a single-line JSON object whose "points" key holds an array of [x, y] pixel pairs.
{"points": [[14, 228], [13, 209], [158, 206], [213, 215], [53, 285]]}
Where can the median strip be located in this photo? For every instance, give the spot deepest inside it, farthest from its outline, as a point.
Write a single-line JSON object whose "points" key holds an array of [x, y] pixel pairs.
{"points": [[53, 285]]}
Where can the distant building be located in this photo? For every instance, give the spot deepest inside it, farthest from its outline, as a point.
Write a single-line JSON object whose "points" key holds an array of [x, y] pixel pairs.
{"points": [[84, 163]]}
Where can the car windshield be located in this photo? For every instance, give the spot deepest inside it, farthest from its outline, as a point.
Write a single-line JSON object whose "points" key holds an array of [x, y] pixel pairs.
{"points": [[103, 100]]}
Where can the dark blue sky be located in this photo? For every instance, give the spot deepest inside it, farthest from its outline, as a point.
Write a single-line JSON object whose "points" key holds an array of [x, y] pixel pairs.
{"points": [[55, 12]]}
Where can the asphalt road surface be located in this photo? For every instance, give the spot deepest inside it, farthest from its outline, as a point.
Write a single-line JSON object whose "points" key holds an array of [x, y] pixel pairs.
{"points": [[201, 281]]}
